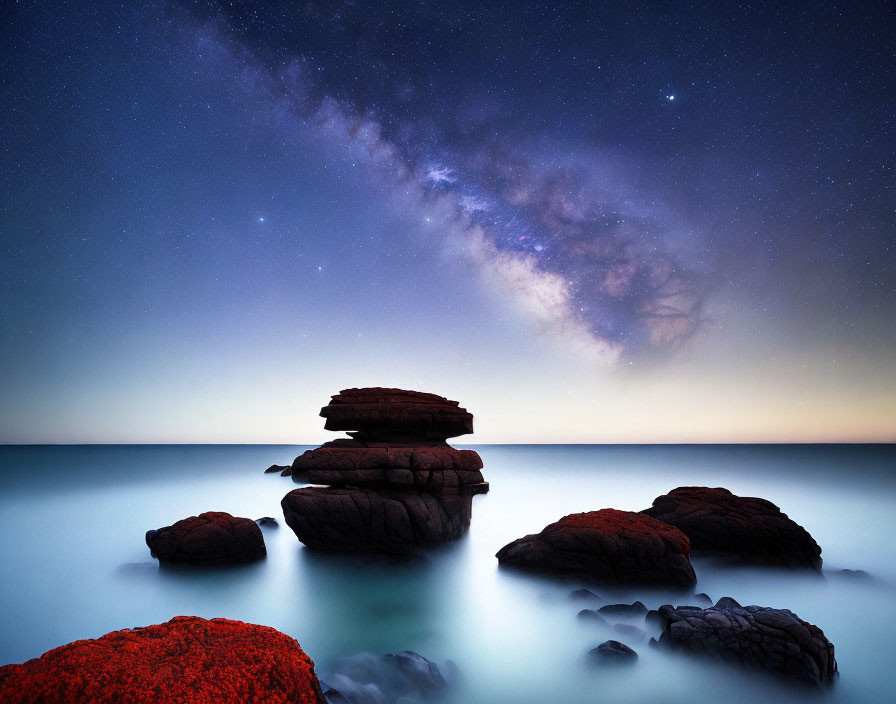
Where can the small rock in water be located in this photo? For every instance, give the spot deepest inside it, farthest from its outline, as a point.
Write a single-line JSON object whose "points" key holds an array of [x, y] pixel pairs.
{"points": [[286, 472], [592, 616], [406, 676], [703, 599], [613, 652], [267, 521], [852, 574], [276, 468], [635, 609]]}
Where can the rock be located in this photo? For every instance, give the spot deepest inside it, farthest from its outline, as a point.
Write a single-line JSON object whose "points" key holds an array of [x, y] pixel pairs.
{"points": [[276, 468], [267, 521], [396, 485], [852, 574], [187, 659], [635, 609], [774, 640], [613, 652], [287, 472], [406, 676], [610, 545], [592, 616], [703, 598], [750, 529], [212, 538], [389, 415], [348, 519]]}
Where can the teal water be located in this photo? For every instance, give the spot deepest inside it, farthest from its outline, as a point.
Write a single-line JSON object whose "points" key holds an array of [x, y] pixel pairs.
{"points": [[75, 565]]}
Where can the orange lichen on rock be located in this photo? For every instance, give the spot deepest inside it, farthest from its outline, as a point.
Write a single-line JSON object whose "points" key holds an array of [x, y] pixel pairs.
{"points": [[186, 660]]}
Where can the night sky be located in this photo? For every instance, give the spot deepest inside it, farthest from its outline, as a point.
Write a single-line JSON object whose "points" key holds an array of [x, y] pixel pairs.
{"points": [[588, 222]]}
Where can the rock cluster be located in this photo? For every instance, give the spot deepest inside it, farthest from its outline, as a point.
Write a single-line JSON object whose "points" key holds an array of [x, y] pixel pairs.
{"points": [[775, 640], [609, 545], [393, 486], [212, 538], [746, 528], [187, 659]]}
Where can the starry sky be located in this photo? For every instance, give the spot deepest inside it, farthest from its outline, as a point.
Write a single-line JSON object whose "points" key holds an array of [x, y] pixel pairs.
{"points": [[588, 222]]}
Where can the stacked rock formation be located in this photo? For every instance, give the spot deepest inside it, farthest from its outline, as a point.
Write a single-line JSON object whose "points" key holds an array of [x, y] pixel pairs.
{"points": [[746, 528], [187, 659], [774, 640], [609, 545], [393, 486], [211, 538]]}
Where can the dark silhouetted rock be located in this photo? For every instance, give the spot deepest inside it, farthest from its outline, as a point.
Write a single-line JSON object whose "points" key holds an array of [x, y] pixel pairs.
{"points": [[750, 529], [267, 521], [405, 677], [187, 659], [396, 485], [610, 545], [388, 415], [635, 609], [613, 653], [703, 599], [211, 538], [348, 519], [276, 468], [774, 640]]}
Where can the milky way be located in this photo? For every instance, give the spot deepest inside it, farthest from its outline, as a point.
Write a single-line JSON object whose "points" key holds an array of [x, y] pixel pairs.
{"points": [[560, 236]]}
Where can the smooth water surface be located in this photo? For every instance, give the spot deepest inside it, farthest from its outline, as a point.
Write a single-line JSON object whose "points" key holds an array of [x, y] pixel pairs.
{"points": [[75, 565]]}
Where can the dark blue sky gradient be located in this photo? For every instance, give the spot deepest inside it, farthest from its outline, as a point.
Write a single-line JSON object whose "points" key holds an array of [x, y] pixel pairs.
{"points": [[213, 215]]}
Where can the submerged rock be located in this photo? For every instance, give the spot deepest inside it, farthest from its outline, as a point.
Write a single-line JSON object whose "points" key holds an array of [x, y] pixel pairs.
{"points": [[610, 545], [267, 521], [748, 528], [396, 485], [212, 538], [613, 652], [774, 640], [405, 677], [635, 609], [187, 659]]}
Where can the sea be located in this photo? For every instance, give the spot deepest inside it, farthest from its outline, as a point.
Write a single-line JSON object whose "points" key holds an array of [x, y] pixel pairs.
{"points": [[75, 565]]}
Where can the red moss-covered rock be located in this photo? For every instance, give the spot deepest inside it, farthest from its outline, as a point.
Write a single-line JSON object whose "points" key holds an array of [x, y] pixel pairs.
{"points": [[186, 660], [383, 520], [750, 529], [396, 415], [212, 538], [610, 545]]}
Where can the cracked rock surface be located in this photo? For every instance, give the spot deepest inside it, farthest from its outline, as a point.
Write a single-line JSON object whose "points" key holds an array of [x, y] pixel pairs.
{"points": [[748, 528], [212, 538], [610, 545], [395, 484], [774, 640]]}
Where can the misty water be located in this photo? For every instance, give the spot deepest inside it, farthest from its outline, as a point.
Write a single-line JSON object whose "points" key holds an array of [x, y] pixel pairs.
{"points": [[75, 565]]}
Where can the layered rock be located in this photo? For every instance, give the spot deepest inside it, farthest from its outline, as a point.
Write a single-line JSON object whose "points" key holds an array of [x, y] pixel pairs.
{"points": [[747, 528], [212, 538], [187, 659], [774, 640], [609, 545], [395, 484]]}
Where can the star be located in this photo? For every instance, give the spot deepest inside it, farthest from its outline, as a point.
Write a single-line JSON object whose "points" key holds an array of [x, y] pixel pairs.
{"points": [[670, 97], [261, 220]]}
